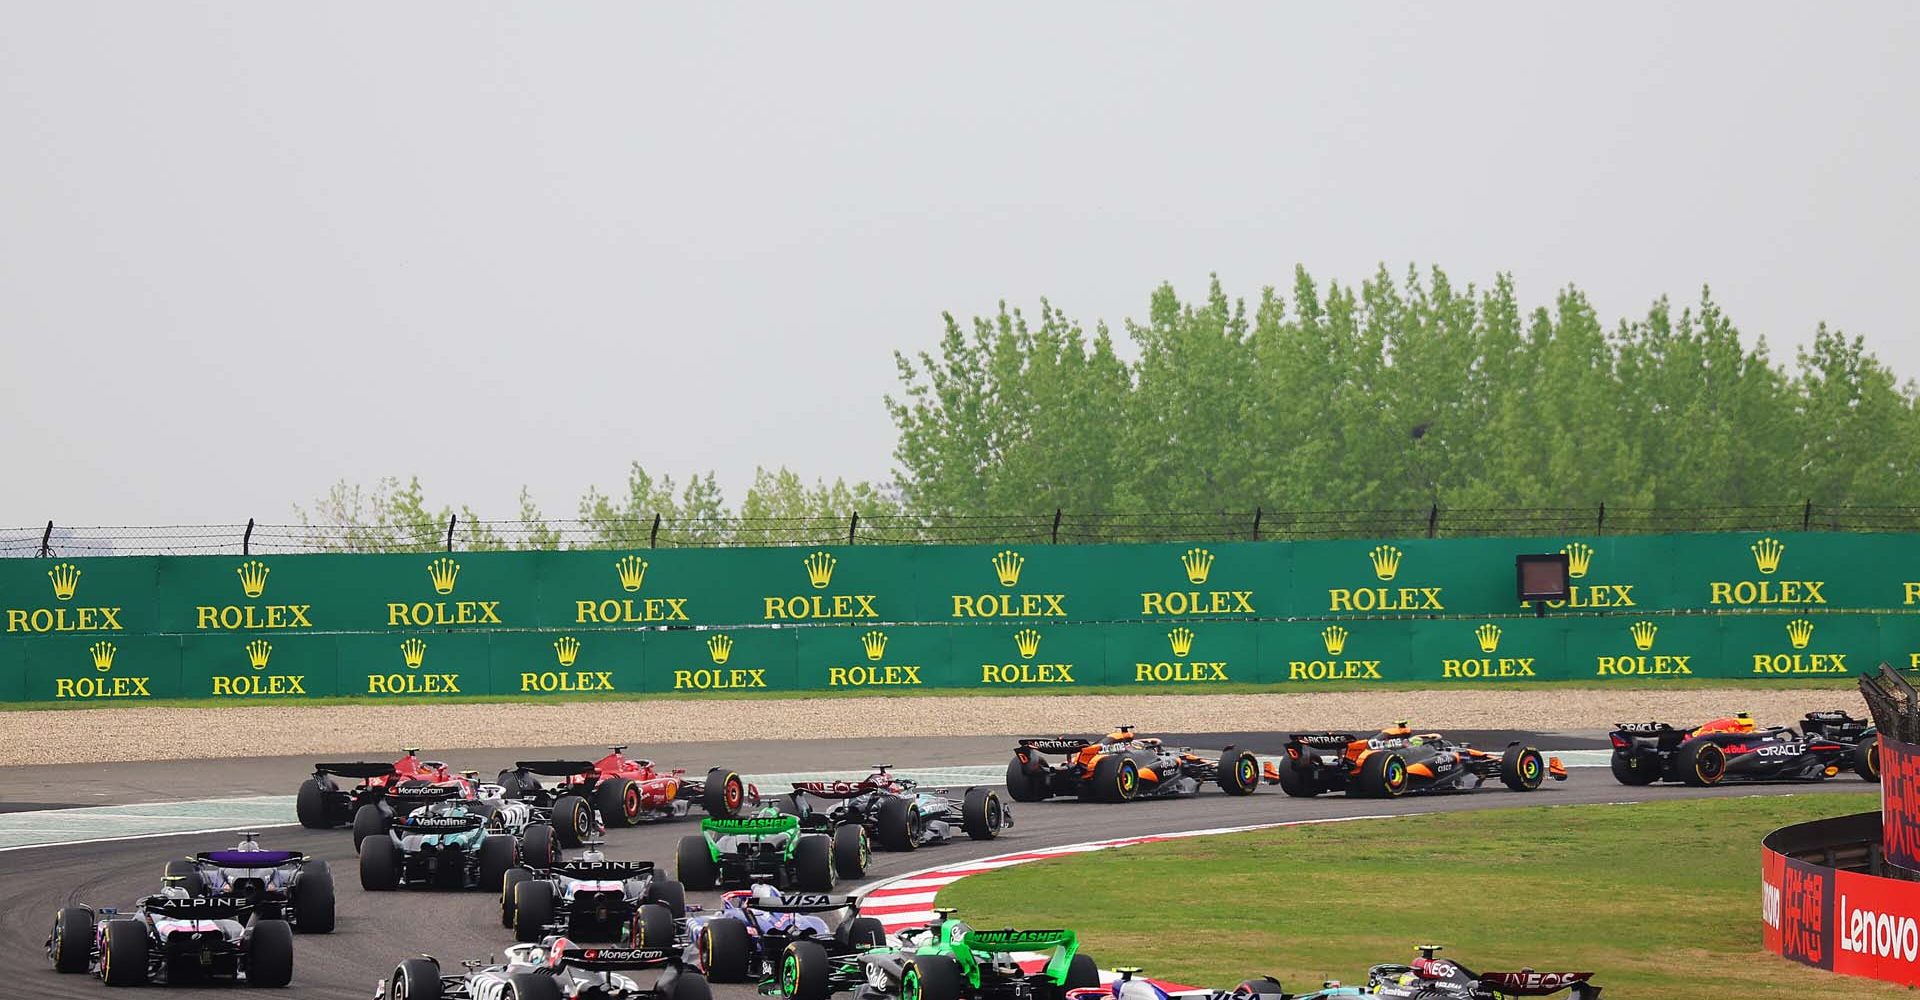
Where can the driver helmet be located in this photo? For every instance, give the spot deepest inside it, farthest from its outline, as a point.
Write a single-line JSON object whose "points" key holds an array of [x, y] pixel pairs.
{"points": [[247, 843], [592, 854]]}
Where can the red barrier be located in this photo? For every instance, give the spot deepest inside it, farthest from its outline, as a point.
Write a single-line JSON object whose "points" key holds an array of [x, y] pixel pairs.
{"points": [[1847, 922], [1900, 803]]}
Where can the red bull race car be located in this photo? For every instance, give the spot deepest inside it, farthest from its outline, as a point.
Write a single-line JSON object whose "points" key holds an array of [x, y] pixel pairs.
{"points": [[1121, 767], [627, 790], [1736, 749], [1397, 761]]}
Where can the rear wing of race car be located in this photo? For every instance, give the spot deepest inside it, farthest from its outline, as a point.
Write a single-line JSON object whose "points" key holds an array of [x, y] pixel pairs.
{"points": [[413, 794], [1323, 741], [806, 902], [249, 859], [1000, 941], [567, 954], [1528, 983], [421, 822], [1057, 744], [1835, 725], [750, 826], [554, 768], [1668, 737], [833, 789], [198, 908], [603, 871], [361, 769]]}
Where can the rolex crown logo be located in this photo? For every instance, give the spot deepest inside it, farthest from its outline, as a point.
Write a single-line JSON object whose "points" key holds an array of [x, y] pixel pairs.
{"points": [[65, 577], [566, 649], [1028, 642], [102, 655], [633, 572], [444, 571], [1767, 553], [414, 652], [1386, 561], [1643, 633], [257, 652], [875, 644], [720, 647], [1489, 636], [1198, 563], [1799, 632], [253, 577], [1007, 566], [1335, 639], [820, 569], [1182, 640], [1579, 558]]}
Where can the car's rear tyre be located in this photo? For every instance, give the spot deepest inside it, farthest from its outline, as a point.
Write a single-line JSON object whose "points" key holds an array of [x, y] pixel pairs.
{"points": [[532, 909], [310, 806], [851, 850], [188, 877], [1635, 769], [619, 802], [572, 820], [653, 927], [1297, 777], [1265, 986], [270, 953], [537, 848], [72, 946], [1115, 779], [694, 865], [724, 947], [805, 971], [1866, 760], [724, 794], [497, 851], [687, 986], [861, 932], [932, 977], [1701, 764], [981, 813], [1238, 773], [899, 824], [1522, 769], [312, 899], [123, 957], [1082, 973], [508, 883], [379, 864], [367, 822], [813, 863], [1383, 775], [415, 979], [533, 986], [671, 895], [1022, 786]]}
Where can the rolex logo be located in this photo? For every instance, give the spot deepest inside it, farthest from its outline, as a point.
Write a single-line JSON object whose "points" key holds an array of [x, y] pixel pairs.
{"points": [[443, 571], [1335, 639], [633, 572], [1181, 639], [257, 652], [1489, 636], [253, 577], [1767, 553], [1643, 633], [1028, 642], [1579, 558], [820, 569], [65, 577], [566, 649], [1007, 565], [414, 652], [1799, 632], [875, 643], [102, 655], [1386, 561], [1198, 563], [720, 647]]}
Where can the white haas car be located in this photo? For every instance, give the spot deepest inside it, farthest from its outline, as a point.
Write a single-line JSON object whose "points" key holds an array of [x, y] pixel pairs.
{"points": [[593, 899], [173, 937], [555, 969]]}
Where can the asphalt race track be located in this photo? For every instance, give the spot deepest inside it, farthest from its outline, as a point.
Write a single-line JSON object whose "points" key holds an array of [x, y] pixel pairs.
{"points": [[377, 930]]}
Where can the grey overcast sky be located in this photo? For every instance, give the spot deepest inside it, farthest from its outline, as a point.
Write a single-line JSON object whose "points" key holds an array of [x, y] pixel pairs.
{"points": [[248, 249]]}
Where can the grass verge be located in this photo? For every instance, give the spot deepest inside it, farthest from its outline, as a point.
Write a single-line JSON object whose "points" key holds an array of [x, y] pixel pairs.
{"points": [[1659, 899]]}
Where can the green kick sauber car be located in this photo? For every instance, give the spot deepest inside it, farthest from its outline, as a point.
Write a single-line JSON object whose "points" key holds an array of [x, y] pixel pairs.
{"points": [[947, 960], [769, 847]]}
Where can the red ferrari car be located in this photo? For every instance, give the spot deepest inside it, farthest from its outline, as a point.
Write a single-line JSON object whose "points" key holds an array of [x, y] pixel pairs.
{"points": [[322, 804], [627, 790]]}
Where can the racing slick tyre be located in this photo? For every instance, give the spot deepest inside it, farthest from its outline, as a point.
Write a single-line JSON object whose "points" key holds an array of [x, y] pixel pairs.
{"points": [[1025, 787], [724, 950], [533, 986], [532, 910], [1265, 986], [1383, 775], [269, 953], [379, 864], [572, 820], [1115, 779], [1238, 774], [1297, 778], [1082, 973], [861, 932], [537, 848], [685, 986], [619, 802], [932, 977], [671, 895], [851, 850], [311, 899], [1522, 768], [496, 856], [310, 806], [188, 875], [981, 814], [71, 946], [511, 879], [804, 971], [1635, 769], [899, 824], [694, 866], [415, 979], [813, 863], [724, 793], [1866, 760], [367, 822], [123, 956], [653, 927], [1701, 763]]}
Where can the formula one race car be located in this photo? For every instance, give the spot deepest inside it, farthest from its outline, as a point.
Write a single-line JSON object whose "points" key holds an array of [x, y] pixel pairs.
{"points": [[593, 899], [948, 960], [443, 845], [782, 941], [1398, 762], [322, 804], [1122, 767], [626, 790], [398, 798], [557, 969], [896, 813], [1734, 749], [275, 885], [769, 847], [172, 937]]}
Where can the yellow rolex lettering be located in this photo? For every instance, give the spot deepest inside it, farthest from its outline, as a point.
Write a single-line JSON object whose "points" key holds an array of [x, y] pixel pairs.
{"points": [[712, 679], [1026, 673], [1190, 673], [871, 676], [63, 620], [257, 685], [101, 687], [1800, 663], [1333, 670], [1912, 593], [1747, 593], [1384, 599], [1642, 666]]}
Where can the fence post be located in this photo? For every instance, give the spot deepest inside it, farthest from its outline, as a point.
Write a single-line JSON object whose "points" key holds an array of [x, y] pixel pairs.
{"points": [[853, 527], [46, 541], [1433, 520], [653, 539], [1256, 523], [1806, 516], [452, 519], [1056, 526], [1600, 525], [246, 540]]}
